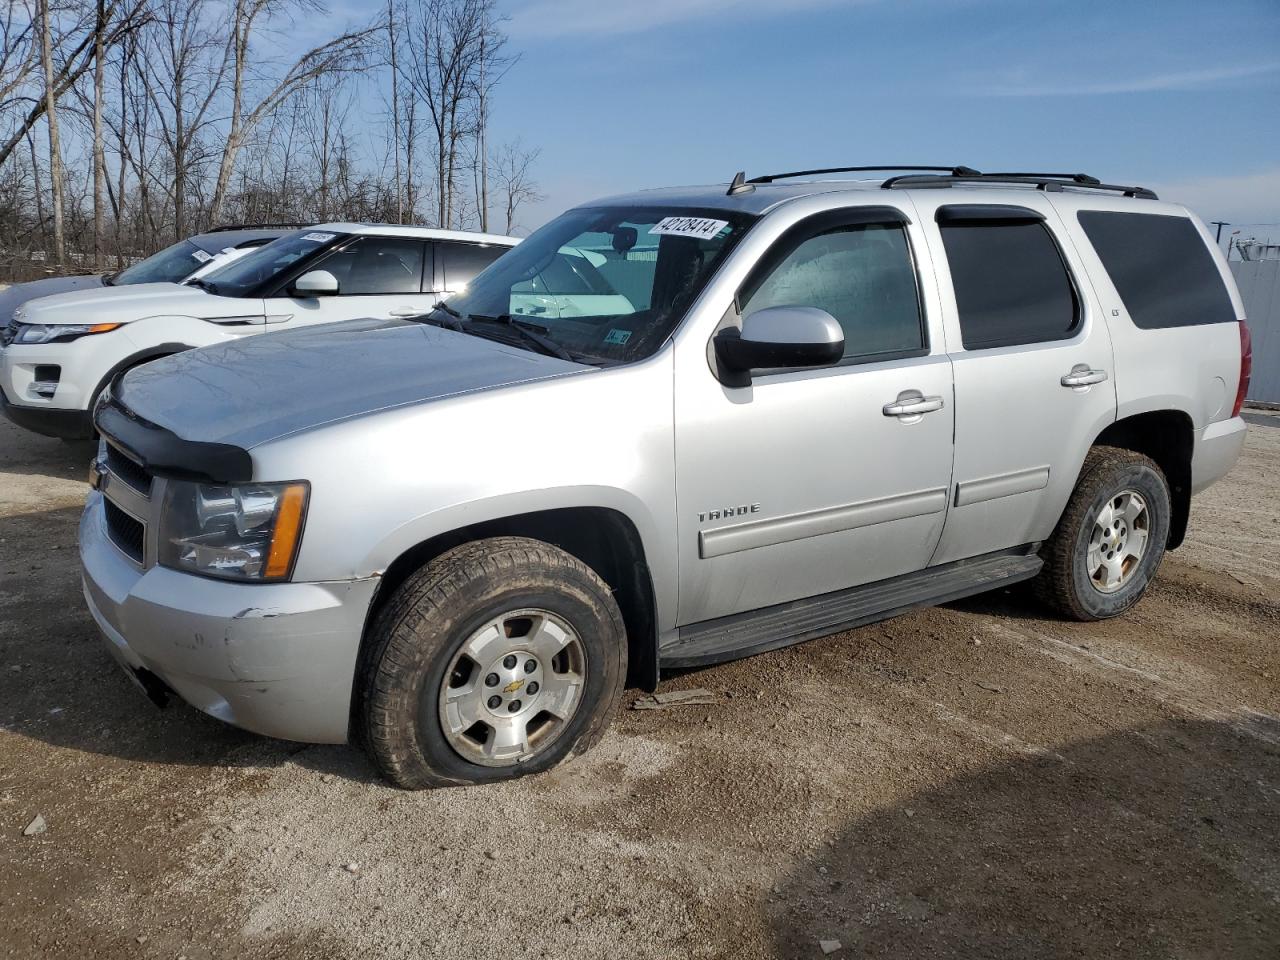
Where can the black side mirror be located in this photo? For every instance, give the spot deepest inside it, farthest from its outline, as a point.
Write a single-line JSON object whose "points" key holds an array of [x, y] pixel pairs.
{"points": [[778, 338]]}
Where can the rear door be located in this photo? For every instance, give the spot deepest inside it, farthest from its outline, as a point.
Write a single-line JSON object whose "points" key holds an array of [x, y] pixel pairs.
{"points": [[1032, 360], [377, 277]]}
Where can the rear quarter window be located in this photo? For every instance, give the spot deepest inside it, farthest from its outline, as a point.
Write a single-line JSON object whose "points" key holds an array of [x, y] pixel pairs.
{"points": [[1161, 268], [462, 262]]}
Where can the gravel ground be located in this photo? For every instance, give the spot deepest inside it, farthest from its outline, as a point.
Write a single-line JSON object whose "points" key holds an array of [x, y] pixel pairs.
{"points": [[976, 780]]}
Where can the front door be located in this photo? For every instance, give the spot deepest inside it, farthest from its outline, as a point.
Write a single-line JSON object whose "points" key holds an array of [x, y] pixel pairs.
{"points": [[1033, 371], [377, 277], [811, 481]]}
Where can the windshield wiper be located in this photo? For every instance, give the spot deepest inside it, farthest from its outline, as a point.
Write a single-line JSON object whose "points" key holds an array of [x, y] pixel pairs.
{"points": [[532, 333], [204, 285]]}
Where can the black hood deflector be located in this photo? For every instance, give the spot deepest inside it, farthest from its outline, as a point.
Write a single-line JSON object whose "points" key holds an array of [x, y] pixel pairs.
{"points": [[163, 452]]}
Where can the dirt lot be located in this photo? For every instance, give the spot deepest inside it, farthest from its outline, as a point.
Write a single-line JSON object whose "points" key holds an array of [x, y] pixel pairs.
{"points": [[978, 780]]}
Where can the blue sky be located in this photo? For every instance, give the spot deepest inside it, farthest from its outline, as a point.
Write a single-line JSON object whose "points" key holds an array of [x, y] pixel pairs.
{"points": [[623, 94]]}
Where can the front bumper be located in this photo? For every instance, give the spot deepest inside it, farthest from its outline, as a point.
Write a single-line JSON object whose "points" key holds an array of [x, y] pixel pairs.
{"points": [[66, 413], [48, 421], [276, 659], [1217, 448]]}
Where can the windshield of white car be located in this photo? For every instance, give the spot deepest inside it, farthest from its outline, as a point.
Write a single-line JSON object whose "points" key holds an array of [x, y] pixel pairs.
{"points": [[607, 284], [242, 277], [171, 265]]}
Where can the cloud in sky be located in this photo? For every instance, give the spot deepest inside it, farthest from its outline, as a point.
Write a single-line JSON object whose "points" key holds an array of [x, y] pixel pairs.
{"points": [[554, 18], [1030, 84], [1250, 198]]}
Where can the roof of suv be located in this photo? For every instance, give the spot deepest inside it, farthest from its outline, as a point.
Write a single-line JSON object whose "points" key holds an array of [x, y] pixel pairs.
{"points": [[760, 197], [426, 233]]}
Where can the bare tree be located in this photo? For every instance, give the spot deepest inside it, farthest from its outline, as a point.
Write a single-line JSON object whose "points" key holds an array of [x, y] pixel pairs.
{"points": [[99, 153], [452, 42], [181, 69], [71, 55], [326, 115], [513, 171], [19, 51], [393, 63], [161, 115], [341, 54], [51, 121]]}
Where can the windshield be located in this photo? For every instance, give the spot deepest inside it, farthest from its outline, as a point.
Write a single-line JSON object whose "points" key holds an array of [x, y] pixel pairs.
{"points": [[607, 283], [241, 276], [171, 265]]}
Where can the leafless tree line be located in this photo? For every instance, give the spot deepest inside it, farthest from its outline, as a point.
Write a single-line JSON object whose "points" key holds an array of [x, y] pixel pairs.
{"points": [[128, 124]]}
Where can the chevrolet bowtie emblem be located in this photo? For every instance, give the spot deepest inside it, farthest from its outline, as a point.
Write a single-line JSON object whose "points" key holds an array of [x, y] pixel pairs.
{"points": [[513, 686]]}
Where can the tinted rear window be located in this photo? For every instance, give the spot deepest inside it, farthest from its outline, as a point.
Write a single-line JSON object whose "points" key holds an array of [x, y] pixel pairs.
{"points": [[1010, 283], [463, 261], [1161, 268]]}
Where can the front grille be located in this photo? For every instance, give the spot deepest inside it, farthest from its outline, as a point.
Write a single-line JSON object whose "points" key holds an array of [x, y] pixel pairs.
{"points": [[124, 531], [130, 471], [8, 332]]}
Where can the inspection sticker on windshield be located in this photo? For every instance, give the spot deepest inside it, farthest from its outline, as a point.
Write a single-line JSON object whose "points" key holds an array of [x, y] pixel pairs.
{"points": [[619, 337], [319, 237], [202, 256], [699, 228]]}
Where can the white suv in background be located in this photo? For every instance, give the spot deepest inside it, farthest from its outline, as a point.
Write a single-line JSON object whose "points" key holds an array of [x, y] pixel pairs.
{"points": [[58, 353], [192, 257]]}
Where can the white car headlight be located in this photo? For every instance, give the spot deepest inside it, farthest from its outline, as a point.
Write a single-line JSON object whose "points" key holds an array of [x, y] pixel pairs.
{"points": [[249, 531], [58, 332]]}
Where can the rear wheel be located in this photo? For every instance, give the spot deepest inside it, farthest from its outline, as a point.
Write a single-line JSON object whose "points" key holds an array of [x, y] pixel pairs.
{"points": [[499, 658], [1111, 538]]}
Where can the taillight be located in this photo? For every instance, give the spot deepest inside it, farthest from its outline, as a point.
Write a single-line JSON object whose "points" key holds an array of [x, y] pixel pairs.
{"points": [[1246, 367]]}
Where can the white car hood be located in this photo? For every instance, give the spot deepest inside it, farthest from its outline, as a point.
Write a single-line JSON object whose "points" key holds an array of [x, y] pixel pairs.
{"points": [[136, 302]]}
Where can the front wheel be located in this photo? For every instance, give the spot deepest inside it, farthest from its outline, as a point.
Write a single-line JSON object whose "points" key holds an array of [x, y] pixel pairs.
{"points": [[1111, 538], [499, 658]]}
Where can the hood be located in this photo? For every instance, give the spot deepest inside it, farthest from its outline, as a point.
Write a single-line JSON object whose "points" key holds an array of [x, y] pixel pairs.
{"points": [[247, 392], [17, 294], [136, 301]]}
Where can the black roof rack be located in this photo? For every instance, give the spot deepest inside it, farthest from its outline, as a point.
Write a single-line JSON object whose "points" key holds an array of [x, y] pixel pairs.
{"points": [[770, 177], [223, 227], [1051, 182]]}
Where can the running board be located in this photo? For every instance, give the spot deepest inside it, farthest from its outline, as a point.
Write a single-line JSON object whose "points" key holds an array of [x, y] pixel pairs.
{"points": [[744, 634]]}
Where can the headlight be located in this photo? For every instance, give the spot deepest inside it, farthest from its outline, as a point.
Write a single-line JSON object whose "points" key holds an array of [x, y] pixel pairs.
{"points": [[245, 532], [58, 332]]}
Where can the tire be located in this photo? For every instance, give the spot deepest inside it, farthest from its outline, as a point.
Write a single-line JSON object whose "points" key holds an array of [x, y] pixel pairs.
{"points": [[503, 599], [1090, 572]]}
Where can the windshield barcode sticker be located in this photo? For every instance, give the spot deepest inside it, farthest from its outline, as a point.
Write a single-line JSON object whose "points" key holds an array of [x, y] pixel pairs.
{"points": [[698, 227], [202, 256], [319, 237]]}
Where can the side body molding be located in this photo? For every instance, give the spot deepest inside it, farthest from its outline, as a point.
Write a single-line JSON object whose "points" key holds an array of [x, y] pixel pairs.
{"points": [[1001, 485], [797, 526]]}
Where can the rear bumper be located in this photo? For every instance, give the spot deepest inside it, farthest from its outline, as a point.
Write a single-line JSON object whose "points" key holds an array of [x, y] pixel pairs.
{"points": [[1217, 449], [276, 659]]}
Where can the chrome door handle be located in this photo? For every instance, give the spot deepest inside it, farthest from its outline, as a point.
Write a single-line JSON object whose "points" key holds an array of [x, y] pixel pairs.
{"points": [[408, 312], [1082, 375], [911, 404]]}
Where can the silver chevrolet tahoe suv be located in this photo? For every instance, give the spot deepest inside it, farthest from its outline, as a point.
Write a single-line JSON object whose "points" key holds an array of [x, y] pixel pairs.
{"points": [[669, 429]]}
